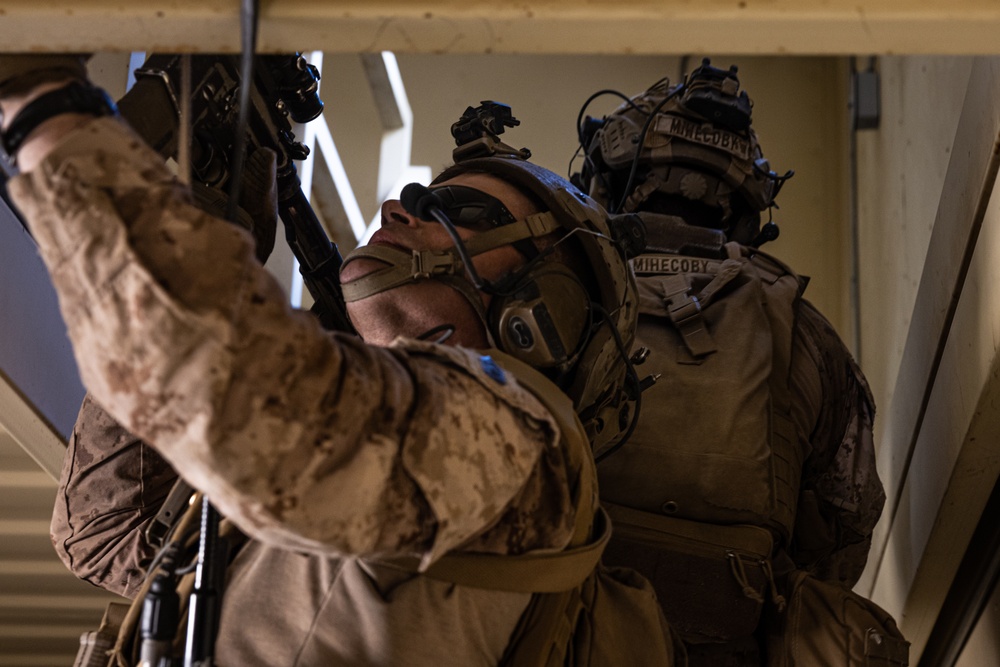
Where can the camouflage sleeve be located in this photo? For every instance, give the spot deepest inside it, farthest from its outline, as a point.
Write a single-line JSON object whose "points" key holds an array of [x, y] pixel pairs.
{"points": [[111, 487], [842, 496], [306, 440]]}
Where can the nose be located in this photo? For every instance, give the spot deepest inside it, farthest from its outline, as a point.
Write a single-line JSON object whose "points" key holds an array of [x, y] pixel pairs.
{"points": [[392, 210]]}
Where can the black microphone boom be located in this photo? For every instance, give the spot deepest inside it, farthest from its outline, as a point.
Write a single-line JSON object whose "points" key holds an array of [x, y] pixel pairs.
{"points": [[419, 200]]}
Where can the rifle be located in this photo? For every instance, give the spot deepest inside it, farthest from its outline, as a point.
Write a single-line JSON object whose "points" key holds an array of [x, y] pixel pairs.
{"points": [[284, 87]]}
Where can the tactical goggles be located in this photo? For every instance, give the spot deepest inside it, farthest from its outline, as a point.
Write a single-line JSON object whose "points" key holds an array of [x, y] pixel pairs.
{"points": [[472, 209]]}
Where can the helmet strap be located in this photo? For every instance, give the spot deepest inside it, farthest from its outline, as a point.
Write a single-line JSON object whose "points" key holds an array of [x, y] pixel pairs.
{"points": [[446, 266]]}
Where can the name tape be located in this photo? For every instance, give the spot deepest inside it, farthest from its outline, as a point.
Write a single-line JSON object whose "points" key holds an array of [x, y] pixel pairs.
{"points": [[705, 135], [670, 264]]}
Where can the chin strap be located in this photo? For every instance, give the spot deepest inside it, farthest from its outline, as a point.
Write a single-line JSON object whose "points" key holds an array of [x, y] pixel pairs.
{"points": [[407, 267], [403, 267]]}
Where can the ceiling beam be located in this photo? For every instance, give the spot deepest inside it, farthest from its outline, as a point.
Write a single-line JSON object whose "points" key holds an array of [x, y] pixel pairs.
{"points": [[535, 26], [21, 421]]}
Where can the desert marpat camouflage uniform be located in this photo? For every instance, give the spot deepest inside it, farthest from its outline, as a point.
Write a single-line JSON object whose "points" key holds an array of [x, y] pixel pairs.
{"points": [[321, 448], [842, 496]]}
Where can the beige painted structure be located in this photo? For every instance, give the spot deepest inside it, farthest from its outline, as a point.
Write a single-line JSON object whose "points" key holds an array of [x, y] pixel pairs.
{"points": [[531, 26], [927, 221]]}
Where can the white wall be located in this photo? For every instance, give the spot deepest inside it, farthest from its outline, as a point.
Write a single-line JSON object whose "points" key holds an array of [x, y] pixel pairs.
{"points": [[901, 170], [931, 322]]}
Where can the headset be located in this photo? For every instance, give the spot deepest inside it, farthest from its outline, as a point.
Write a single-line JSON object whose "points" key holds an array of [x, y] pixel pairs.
{"points": [[574, 323], [539, 313]]}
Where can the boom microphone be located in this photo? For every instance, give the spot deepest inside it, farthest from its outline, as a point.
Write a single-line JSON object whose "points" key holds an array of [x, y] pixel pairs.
{"points": [[419, 200]]}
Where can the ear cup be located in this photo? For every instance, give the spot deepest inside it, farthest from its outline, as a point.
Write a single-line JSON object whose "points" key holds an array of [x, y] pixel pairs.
{"points": [[544, 318]]}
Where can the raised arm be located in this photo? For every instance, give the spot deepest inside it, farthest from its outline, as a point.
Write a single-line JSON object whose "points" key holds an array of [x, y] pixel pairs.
{"points": [[309, 441]]}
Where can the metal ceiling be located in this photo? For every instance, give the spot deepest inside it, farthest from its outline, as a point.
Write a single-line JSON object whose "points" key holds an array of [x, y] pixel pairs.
{"points": [[532, 26]]}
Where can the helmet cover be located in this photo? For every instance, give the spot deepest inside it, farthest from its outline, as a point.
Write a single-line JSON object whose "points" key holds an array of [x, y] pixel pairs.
{"points": [[699, 145]]}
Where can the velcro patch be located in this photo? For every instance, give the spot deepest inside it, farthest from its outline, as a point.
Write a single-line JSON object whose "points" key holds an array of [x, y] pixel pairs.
{"points": [[491, 369]]}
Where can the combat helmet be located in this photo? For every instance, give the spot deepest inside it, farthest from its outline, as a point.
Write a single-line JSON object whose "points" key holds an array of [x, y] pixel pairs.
{"points": [[691, 140], [575, 328]]}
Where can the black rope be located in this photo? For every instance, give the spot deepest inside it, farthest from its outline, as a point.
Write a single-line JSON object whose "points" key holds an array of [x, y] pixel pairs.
{"points": [[206, 598], [248, 40]]}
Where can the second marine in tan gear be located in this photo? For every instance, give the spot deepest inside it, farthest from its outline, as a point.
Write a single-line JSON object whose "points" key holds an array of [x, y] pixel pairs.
{"points": [[753, 456]]}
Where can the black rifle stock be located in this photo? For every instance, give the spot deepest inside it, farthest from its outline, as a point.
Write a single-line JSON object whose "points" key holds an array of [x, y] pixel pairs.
{"points": [[152, 108]]}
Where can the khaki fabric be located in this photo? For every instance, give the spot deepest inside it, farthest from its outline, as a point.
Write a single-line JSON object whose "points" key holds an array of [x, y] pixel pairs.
{"points": [[827, 625], [284, 608], [713, 580], [281, 607], [714, 441], [831, 411], [322, 449], [760, 420]]}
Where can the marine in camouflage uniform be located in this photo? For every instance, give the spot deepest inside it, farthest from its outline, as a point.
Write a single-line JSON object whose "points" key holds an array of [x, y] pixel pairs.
{"points": [[686, 158], [330, 453]]}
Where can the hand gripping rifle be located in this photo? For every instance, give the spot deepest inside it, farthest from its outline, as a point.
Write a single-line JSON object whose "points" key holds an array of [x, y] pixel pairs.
{"points": [[284, 89]]}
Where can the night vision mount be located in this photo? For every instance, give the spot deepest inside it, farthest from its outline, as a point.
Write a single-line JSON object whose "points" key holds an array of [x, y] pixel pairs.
{"points": [[715, 95], [477, 133]]}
